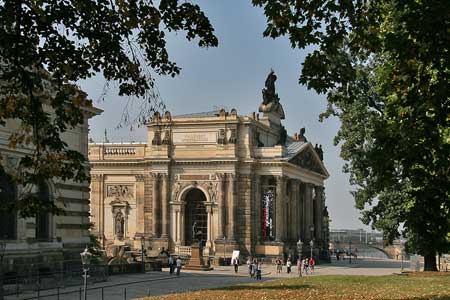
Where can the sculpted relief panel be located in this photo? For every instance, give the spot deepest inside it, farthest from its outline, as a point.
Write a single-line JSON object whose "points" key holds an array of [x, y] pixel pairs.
{"points": [[120, 191], [206, 137]]}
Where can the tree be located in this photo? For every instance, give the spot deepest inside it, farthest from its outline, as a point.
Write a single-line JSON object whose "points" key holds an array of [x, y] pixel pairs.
{"points": [[385, 69], [47, 46]]}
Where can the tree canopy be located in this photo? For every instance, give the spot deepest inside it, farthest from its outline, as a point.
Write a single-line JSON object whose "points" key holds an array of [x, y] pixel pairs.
{"points": [[47, 46], [384, 67]]}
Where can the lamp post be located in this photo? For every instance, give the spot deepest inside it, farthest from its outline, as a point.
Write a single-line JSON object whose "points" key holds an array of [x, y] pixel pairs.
{"points": [[85, 260], [2, 253], [142, 254], [350, 250], [402, 246], [311, 244], [299, 250], [224, 240]]}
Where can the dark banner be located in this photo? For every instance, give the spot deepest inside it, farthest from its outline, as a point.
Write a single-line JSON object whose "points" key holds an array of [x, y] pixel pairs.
{"points": [[267, 213]]}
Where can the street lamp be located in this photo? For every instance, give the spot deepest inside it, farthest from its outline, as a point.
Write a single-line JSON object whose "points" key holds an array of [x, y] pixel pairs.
{"points": [[142, 254], [311, 244], [350, 250], [2, 253], [224, 240], [299, 250], [85, 260], [402, 246]]}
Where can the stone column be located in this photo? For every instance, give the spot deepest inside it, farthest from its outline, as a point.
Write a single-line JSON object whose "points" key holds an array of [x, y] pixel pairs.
{"points": [[97, 204], [319, 216], [308, 213], [258, 209], [231, 204], [221, 203], [280, 203], [298, 207], [155, 201], [164, 206]]}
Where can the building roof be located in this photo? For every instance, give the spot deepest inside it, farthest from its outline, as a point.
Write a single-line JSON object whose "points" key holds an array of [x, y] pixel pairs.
{"points": [[293, 148], [205, 114]]}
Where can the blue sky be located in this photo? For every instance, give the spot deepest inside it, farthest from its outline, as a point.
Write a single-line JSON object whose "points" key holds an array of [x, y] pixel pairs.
{"points": [[232, 76]]}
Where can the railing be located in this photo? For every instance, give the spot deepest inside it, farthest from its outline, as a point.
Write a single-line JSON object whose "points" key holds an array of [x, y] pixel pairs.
{"points": [[183, 250], [116, 151]]}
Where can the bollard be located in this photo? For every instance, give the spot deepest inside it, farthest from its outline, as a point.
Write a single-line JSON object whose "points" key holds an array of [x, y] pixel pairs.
{"points": [[39, 293], [125, 293], [57, 293], [80, 293], [102, 292]]}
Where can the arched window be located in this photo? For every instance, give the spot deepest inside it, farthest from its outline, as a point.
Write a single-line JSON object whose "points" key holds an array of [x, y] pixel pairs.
{"points": [[8, 220], [43, 219]]}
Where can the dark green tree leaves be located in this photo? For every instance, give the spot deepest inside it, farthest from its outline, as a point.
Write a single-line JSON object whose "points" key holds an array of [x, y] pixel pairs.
{"points": [[385, 69], [47, 46]]}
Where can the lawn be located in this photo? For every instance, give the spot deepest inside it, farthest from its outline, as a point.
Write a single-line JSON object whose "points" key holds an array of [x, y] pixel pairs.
{"points": [[420, 286]]}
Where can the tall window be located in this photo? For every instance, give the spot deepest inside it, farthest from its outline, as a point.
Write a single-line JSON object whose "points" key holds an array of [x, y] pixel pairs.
{"points": [[43, 219], [8, 220]]}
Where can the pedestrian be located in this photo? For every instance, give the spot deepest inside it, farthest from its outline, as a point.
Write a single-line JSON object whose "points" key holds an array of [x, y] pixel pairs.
{"points": [[279, 265], [178, 264], [236, 264], [249, 266], [306, 266], [254, 267], [299, 266], [288, 265], [258, 270], [312, 263], [170, 262]]}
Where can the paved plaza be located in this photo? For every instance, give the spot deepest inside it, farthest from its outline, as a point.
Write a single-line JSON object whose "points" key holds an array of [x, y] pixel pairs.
{"points": [[131, 286]]}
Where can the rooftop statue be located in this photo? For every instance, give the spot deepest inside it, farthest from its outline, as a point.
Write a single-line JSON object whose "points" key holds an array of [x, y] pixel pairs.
{"points": [[271, 102]]}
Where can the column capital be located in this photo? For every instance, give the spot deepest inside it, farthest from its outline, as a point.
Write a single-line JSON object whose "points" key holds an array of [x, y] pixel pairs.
{"points": [[141, 177], [96, 177], [231, 176], [220, 176]]}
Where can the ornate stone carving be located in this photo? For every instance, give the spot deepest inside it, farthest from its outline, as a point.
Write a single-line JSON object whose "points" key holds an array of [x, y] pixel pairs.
{"points": [[306, 160], [222, 138], [96, 177], [166, 139], [176, 191], [257, 139], [211, 187], [120, 191], [233, 137], [157, 138], [283, 136], [141, 177]]}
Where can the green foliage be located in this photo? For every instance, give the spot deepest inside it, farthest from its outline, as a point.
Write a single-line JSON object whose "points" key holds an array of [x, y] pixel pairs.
{"points": [[385, 69], [47, 46]]}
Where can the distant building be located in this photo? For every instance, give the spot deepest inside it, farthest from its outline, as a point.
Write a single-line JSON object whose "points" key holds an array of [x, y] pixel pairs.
{"points": [[232, 181], [355, 236]]}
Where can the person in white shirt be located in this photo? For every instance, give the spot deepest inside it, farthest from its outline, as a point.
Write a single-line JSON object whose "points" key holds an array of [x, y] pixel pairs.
{"points": [[178, 264]]}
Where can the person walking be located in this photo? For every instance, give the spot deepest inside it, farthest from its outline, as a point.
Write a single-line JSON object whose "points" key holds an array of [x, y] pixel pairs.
{"points": [[171, 265], [258, 270], [288, 265], [306, 266], [250, 267], [236, 264], [178, 264], [312, 263], [299, 266], [279, 264]]}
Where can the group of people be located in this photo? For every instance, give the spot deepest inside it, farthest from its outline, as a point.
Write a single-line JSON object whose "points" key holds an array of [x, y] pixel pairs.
{"points": [[174, 264], [254, 268], [304, 266]]}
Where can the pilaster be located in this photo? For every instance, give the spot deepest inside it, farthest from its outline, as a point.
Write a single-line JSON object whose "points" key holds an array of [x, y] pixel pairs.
{"points": [[231, 180], [280, 209]]}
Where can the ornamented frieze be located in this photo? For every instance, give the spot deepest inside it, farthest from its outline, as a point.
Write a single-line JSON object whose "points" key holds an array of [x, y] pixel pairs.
{"points": [[120, 191]]}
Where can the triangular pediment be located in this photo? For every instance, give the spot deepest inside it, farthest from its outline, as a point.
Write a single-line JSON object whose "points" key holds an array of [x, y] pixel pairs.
{"points": [[307, 158]]}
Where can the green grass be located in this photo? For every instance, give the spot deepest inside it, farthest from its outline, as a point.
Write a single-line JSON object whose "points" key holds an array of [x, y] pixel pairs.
{"points": [[421, 286]]}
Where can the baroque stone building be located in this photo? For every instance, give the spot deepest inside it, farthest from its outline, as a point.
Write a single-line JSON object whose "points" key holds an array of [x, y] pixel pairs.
{"points": [[44, 242], [241, 180]]}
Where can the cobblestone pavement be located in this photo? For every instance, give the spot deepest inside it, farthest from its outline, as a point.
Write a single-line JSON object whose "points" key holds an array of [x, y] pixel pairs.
{"points": [[131, 286]]}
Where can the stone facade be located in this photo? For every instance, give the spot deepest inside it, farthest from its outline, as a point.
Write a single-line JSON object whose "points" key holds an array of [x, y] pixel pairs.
{"points": [[44, 242], [243, 185]]}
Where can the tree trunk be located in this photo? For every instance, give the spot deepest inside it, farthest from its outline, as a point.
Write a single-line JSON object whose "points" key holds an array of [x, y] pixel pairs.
{"points": [[430, 262]]}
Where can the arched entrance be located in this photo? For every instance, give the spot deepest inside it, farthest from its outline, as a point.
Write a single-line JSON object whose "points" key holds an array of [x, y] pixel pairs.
{"points": [[195, 212]]}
